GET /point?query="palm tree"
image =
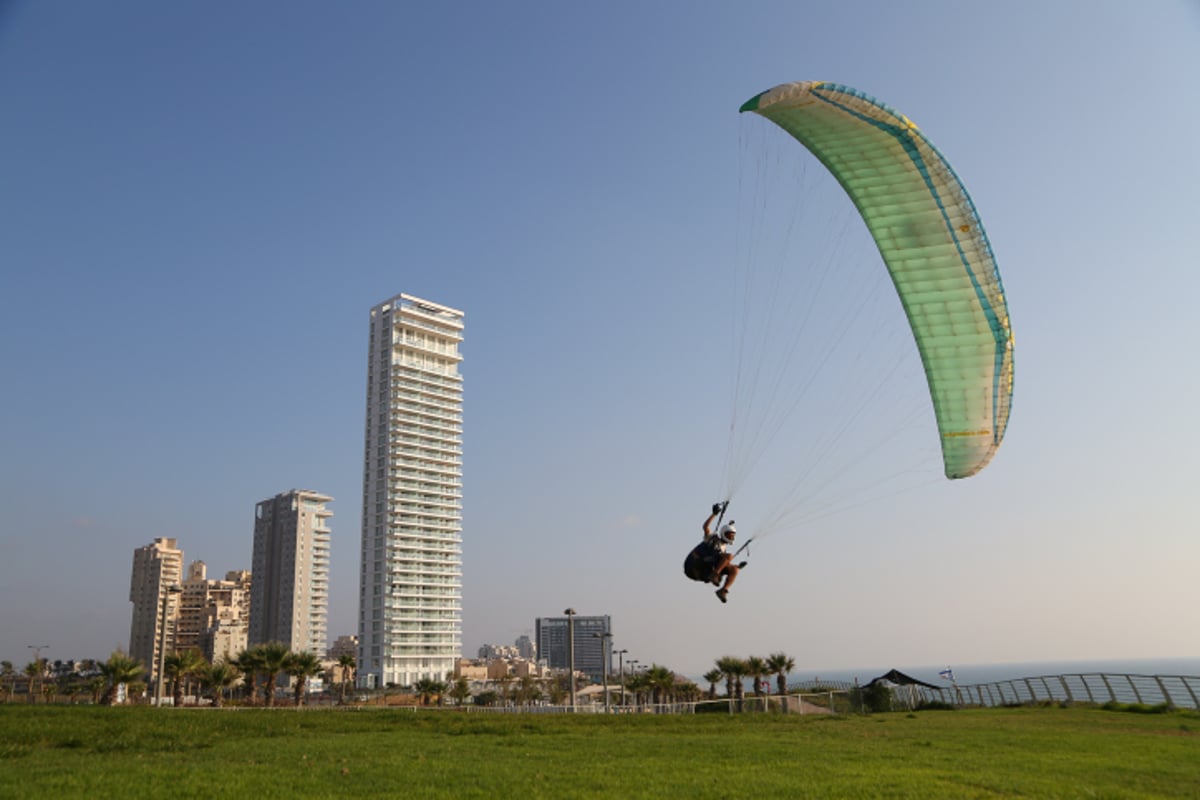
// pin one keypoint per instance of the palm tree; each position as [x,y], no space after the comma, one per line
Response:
[302,666]
[219,677]
[347,663]
[735,671]
[439,689]
[739,683]
[712,678]
[504,682]
[181,668]
[428,688]
[643,685]
[527,690]
[172,663]
[248,662]
[9,675]
[119,669]
[661,682]
[460,690]
[756,668]
[195,666]
[559,690]
[96,685]
[731,667]
[273,658]
[781,664]
[687,691]
[33,672]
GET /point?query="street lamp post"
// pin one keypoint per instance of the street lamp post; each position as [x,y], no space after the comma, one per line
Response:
[41,669]
[162,642]
[633,662]
[604,645]
[570,612]
[620,654]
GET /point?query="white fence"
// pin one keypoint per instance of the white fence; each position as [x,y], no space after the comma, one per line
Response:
[834,701]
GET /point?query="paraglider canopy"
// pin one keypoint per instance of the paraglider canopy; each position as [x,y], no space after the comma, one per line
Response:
[933,243]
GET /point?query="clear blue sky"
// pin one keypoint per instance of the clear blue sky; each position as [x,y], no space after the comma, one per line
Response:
[199,203]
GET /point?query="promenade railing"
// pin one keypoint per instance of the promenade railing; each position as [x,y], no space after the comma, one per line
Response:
[1172,691]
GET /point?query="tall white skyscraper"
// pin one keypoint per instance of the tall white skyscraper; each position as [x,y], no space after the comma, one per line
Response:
[410,588]
[289,591]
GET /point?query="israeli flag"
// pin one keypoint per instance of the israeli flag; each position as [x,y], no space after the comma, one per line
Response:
[947,674]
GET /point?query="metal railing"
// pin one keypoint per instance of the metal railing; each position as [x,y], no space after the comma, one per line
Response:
[1172,691]
[837,697]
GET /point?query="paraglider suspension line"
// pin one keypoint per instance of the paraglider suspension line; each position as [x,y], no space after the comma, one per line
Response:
[743,547]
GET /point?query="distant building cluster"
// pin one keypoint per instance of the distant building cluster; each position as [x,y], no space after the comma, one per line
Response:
[549,655]
[410,575]
[286,600]
[499,669]
[499,662]
[504,651]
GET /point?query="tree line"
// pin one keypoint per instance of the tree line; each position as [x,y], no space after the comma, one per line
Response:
[253,676]
[734,671]
[654,684]
[252,673]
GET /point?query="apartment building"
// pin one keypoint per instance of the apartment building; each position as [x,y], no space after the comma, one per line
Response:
[157,569]
[410,587]
[214,615]
[289,592]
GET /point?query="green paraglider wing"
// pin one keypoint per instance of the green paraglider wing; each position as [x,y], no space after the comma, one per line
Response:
[933,243]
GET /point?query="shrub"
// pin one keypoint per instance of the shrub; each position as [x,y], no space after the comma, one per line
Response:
[935,705]
[877,698]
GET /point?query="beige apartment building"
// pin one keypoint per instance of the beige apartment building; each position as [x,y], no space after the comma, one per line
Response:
[214,615]
[289,595]
[227,617]
[156,567]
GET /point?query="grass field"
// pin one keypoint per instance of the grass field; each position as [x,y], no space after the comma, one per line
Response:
[52,751]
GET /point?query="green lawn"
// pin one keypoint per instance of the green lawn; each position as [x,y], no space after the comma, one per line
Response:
[49,751]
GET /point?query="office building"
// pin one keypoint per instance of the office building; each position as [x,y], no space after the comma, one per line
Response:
[410,586]
[289,591]
[593,644]
[156,567]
